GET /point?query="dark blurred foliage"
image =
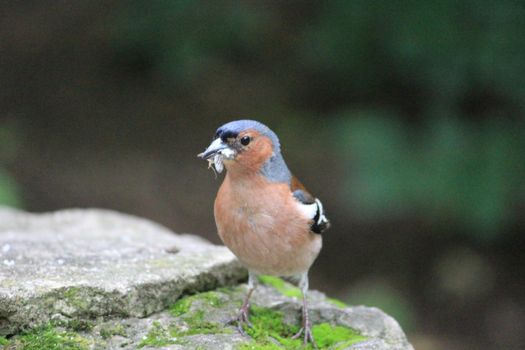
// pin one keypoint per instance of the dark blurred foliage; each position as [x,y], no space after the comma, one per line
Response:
[406,118]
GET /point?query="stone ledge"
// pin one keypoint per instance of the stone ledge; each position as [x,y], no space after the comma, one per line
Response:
[82,264]
[102,280]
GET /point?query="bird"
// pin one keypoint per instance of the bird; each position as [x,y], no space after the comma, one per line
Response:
[263,213]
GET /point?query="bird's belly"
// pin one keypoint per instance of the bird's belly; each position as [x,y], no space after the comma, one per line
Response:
[268,238]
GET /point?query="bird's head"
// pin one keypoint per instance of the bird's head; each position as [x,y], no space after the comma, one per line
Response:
[247,146]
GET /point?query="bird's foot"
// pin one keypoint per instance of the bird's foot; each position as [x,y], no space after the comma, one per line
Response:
[308,337]
[242,319]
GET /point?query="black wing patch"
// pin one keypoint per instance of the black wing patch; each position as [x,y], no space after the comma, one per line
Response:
[314,208]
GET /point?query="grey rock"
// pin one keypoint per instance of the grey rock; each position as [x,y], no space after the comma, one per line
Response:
[83,264]
[117,282]
[380,330]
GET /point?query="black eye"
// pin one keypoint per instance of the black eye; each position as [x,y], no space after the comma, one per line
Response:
[245,140]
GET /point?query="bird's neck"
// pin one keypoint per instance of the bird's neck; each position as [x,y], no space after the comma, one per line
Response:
[275,169]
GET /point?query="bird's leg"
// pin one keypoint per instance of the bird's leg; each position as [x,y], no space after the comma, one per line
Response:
[306,328]
[243,317]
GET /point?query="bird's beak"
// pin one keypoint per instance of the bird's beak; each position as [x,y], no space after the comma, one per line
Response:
[215,147]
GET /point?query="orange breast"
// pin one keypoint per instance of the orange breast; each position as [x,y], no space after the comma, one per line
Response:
[261,224]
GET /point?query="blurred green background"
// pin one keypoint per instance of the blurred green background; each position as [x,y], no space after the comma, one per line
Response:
[406,118]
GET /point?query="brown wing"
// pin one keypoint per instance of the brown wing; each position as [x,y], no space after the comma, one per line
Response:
[300,192]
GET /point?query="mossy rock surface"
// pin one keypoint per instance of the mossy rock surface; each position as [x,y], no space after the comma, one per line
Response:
[200,321]
[91,279]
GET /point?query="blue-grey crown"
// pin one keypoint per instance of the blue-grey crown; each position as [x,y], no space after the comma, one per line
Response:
[232,129]
[275,168]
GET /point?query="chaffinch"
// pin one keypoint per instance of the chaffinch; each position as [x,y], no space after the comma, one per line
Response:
[264,215]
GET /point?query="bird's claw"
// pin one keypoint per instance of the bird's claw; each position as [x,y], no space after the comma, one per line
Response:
[308,336]
[242,319]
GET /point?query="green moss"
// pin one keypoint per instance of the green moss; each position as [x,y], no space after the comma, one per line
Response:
[74,297]
[50,338]
[198,325]
[183,305]
[71,292]
[77,325]
[194,320]
[267,329]
[213,298]
[255,346]
[110,331]
[281,286]
[269,332]
[327,335]
[336,302]
[226,290]
[157,336]
[4,341]
[161,336]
